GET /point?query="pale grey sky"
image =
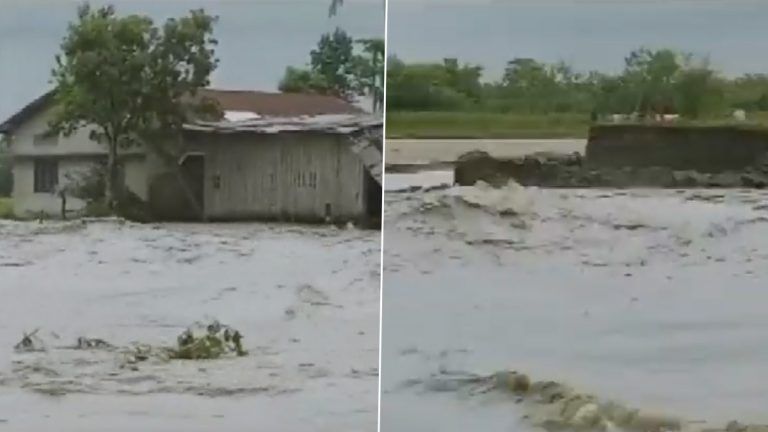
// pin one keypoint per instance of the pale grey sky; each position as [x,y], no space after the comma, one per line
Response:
[258,38]
[590,34]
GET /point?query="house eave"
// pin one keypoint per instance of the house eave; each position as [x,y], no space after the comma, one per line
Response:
[28,111]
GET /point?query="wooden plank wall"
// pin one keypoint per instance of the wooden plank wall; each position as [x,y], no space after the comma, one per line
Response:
[291,177]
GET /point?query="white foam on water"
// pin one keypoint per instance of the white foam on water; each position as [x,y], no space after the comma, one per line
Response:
[312,364]
[654,298]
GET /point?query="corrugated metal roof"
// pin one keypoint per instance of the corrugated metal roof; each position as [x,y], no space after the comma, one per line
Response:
[264,104]
[343,124]
[279,104]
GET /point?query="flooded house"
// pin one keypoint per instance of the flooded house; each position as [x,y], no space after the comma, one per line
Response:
[274,156]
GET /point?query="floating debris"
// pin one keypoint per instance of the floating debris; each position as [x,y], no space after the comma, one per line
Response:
[92,343]
[30,343]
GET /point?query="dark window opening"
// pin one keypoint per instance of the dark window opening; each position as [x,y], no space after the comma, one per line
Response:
[46,175]
[193,170]
[373,199]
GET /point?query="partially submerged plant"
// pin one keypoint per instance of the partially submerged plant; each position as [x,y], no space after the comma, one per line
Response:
[217,341]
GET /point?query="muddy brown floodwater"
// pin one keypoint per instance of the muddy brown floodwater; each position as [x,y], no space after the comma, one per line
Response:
[305,299]
[654,299]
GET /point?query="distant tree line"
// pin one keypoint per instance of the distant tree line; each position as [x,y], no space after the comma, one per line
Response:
[653,82]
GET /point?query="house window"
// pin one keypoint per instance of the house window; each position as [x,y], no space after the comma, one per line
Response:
[46,175]
[45,139]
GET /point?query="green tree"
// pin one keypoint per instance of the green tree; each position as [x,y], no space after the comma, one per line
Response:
[369,71]
[651,75]
[612,95]
[464,79]
[336,68]
[422,86]
[748,92]
[652,82]
[136,84]
[699,92]
[333,60]
[532,83]
[526,74]
[298,80]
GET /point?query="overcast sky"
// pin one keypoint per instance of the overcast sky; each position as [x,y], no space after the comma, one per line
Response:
[258,38]
[590,34]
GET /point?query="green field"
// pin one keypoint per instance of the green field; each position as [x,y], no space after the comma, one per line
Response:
[479,125]
[470,125]
[6,208]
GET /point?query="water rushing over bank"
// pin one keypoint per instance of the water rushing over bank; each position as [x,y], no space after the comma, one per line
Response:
[651,298]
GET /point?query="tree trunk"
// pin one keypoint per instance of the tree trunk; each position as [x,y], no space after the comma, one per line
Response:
[63,196]
[110,179]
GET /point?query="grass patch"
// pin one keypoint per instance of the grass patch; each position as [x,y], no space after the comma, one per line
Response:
[481,125]
[6,208]
[478,125]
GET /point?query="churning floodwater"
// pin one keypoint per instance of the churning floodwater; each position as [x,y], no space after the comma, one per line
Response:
[653,298]
[305,298]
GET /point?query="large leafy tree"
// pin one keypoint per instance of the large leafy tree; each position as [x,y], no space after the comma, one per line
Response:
[333,60]
[652,74]
[343,67]
[331,69]
[131,82]
[699,92]
[369,71]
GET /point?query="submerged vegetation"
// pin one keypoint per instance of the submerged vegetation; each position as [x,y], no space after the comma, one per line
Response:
[216,342]
[208,342]
[557,407]
[531,98]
